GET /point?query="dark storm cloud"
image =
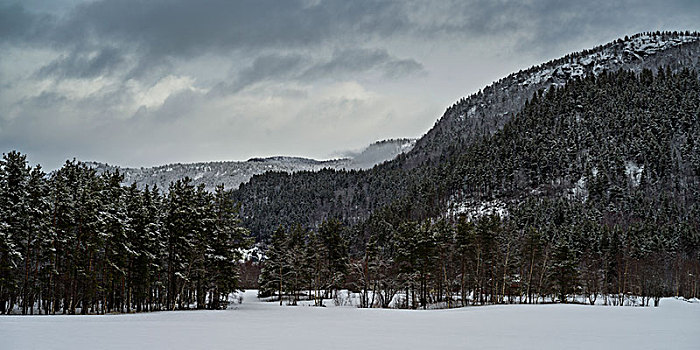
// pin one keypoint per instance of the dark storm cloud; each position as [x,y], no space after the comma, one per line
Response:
[19,25]
[14,21]
[157,32]
[178,28]
[160,31]
[294,67]
[83,65]
[544,24]
[361,60]
[182,28]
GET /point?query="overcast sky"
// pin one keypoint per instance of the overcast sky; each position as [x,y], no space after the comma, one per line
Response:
[142,83]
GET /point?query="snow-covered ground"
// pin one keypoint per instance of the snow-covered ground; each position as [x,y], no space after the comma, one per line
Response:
[258,325]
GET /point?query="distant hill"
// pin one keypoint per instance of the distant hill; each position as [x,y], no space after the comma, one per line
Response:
[233,173]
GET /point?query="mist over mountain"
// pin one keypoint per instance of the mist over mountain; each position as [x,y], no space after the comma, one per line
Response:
[378,152]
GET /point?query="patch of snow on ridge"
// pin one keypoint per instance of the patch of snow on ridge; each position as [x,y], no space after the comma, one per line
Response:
[645,45]
[634,172]
[636,48]
[538,77]
[408,145]
[473,210]
[580,190]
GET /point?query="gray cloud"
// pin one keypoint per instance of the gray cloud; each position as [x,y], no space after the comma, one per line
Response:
[305,68]
[268,67]
[545,24]
[157,32]
[45,100]
[355,60]
[17,25]
[181,28]
[399,68]
[83,65]
[161,29]
[109,79]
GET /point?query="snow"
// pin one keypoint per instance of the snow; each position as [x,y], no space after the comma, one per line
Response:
[634,172]
[636,48]
[580,189]
[258,325]
[255,254]
[474,210]
[538,77]
[644,45]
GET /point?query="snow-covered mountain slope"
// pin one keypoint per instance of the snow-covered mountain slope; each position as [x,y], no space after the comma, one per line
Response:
[233,173]
[488,110]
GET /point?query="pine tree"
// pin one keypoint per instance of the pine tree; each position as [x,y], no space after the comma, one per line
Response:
[15,235]
[225,248]
[334,246]
[273,276]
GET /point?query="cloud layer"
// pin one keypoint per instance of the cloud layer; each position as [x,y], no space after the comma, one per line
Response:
[149,82]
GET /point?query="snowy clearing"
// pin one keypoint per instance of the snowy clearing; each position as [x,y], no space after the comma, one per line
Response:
[259,325]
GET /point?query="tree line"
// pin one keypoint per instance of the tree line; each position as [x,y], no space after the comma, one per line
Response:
[73,241]
[299,260]
[543,251]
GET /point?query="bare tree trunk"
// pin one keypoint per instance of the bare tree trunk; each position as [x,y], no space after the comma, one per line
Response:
[505,271]
[544,269]
[448,294]
[529,277]
[478,277]
[280,288]
[463,283]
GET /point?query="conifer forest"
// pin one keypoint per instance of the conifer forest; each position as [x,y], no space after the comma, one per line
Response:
[75,242]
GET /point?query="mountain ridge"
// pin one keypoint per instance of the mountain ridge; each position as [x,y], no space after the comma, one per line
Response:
[486,111]
[233,173]
[414,178]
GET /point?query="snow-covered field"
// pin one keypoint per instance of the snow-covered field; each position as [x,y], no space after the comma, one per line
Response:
[258,325]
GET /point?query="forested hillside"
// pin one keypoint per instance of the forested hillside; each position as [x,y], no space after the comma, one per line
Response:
[599,180]
[308,198]
[488,110]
